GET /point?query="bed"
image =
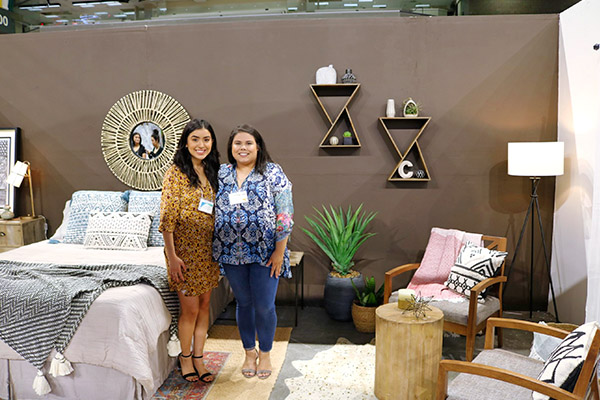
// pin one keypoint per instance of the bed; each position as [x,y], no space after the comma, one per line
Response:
[119,350]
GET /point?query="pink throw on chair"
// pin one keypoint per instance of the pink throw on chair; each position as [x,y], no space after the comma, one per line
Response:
[440,255]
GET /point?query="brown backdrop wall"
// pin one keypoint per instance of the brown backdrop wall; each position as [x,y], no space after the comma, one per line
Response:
[484,81]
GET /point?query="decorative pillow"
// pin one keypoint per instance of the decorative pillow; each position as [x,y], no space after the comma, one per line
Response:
[117,230]
[148,202]
[473,265]
[59,235]
[543,345]
[564,365]
[82,203]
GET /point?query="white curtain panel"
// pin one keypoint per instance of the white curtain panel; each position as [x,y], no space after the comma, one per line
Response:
[576,238]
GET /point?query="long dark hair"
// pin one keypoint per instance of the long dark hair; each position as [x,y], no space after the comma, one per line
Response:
[131,143]
[211,163]
[262,157]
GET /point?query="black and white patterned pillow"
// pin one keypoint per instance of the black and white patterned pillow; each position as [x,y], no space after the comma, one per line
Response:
[564,364]
[117,230]
[473,265]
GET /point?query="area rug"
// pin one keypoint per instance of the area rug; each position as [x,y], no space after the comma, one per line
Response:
[224,355]
[344,371]
[177,388]
[231,384]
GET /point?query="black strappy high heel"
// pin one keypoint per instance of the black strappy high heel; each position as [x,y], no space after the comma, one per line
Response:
[205,375]
[191,374]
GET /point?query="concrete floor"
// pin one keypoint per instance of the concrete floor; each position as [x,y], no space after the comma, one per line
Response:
[316,332]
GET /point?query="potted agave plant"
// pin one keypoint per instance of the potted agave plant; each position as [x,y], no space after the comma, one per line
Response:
[339,234]
[363,308]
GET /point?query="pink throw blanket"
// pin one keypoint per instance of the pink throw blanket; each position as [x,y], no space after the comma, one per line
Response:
[440,255]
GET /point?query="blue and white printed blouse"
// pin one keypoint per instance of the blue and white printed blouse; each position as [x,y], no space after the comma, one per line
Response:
[246,233]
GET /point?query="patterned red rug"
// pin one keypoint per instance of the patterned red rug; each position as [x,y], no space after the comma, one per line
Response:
[177,388]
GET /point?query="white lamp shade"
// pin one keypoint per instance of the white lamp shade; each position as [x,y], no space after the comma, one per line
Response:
[17,173]
[536,158]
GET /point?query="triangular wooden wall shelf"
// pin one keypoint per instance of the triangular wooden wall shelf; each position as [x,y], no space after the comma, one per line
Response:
[348,90]
[412,123]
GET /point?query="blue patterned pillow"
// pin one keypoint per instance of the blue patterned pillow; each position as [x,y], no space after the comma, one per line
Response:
[148,202]
[84,201]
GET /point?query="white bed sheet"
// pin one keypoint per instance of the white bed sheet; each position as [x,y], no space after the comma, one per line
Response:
[122,327]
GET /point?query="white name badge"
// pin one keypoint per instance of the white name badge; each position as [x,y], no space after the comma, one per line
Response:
[206,206]
[238,197]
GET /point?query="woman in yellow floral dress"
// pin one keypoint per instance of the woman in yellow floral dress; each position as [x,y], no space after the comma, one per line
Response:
[187,225]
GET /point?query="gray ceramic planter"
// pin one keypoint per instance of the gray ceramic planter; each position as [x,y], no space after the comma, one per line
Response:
[339,295]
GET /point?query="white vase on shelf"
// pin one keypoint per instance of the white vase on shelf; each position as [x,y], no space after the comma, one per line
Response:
[390,110]
[326,75]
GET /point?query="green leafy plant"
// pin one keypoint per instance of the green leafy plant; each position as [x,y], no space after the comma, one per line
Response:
[411,107]
[369,296]
[339,234]
[347,134]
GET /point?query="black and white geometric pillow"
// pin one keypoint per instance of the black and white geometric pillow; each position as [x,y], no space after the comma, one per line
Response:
[564,365]
[117,230]
[473,265]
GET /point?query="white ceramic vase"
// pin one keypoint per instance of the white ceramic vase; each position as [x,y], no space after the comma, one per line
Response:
[390,110]
[326,75]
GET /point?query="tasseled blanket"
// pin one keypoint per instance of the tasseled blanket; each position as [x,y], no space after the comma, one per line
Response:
[441,253]
[41,306]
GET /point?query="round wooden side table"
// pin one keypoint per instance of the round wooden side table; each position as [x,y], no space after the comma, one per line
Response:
[407,353]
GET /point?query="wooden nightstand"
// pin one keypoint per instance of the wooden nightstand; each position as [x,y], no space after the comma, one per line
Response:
[19,232]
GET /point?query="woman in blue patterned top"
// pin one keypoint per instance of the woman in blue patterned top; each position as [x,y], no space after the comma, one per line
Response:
[253,220]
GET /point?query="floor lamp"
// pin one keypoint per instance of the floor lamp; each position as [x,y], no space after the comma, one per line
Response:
[535,159]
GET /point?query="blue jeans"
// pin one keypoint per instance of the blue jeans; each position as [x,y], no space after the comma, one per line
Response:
[254,292]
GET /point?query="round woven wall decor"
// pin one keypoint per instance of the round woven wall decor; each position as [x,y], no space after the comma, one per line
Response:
[145,114]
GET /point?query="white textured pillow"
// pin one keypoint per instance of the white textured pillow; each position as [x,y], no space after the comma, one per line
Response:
[474,264]
[564,365]
[59,235]
[543,345]
[117,230]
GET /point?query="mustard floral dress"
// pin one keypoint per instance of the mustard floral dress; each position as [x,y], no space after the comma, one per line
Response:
[192,232]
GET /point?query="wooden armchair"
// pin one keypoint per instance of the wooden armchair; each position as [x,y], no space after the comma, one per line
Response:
[500,374]
[466,318]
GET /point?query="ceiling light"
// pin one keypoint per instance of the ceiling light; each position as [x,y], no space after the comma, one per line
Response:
[51,16]
[350,5]
[379,5]
[422,5]
[292,8]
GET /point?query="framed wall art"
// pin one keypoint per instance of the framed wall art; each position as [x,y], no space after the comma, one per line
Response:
[8,156]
